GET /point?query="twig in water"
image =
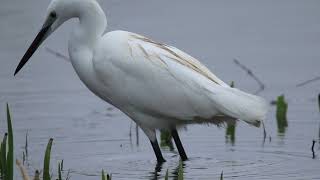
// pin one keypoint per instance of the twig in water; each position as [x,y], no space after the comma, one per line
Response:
[23,158]
[26,145]
[319,101]
[61,165]
[68,175]
[57,54]
[308,81]
[250,73]
[137,134]
[130,134]
[264,132]
[312,149]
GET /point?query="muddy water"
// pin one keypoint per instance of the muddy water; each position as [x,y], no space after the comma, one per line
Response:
[279,41]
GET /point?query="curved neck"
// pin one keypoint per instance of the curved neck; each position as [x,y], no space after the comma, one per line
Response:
[92,24]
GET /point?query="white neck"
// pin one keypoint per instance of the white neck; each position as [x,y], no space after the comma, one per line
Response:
[92,24]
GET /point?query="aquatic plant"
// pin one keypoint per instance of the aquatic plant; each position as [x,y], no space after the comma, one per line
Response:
[105,177]
[46,166]
[6,151]
[281,114]
[166,139]
[46,163]
[230,133]
[231,128]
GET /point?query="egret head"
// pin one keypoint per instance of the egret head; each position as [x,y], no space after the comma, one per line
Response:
[58,12]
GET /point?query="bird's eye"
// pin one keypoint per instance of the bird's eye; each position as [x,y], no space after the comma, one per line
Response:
[53,14]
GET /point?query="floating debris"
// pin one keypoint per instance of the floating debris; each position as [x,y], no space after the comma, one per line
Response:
[250,73]
[308,81]
[57,54]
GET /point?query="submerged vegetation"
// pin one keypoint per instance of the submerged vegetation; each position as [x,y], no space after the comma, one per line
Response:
[231,128]
[281,114]
[166,139]
[230,133]
[105,177]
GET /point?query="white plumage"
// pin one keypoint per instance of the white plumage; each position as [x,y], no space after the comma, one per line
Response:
[156,85]
[160,86]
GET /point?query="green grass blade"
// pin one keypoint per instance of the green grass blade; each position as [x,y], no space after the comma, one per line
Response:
[103,175]
[281,114]
[4,156]
[230,133]
[221,176]
[46,164]
[10,146]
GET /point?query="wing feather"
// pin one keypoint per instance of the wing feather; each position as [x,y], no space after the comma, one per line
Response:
[153,51]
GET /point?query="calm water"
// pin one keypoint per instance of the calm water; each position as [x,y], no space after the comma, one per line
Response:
[278,40]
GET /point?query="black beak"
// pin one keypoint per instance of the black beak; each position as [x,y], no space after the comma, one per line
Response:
[42,35]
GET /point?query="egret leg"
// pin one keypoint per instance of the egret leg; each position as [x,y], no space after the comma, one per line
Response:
[157,151]
[151,133]
[180,148]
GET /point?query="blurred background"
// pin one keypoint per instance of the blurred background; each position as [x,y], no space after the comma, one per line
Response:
[278,40]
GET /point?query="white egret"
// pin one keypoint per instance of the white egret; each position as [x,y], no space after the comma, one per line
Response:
[158,86]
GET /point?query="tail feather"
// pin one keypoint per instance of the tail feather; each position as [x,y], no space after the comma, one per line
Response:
[238,104]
